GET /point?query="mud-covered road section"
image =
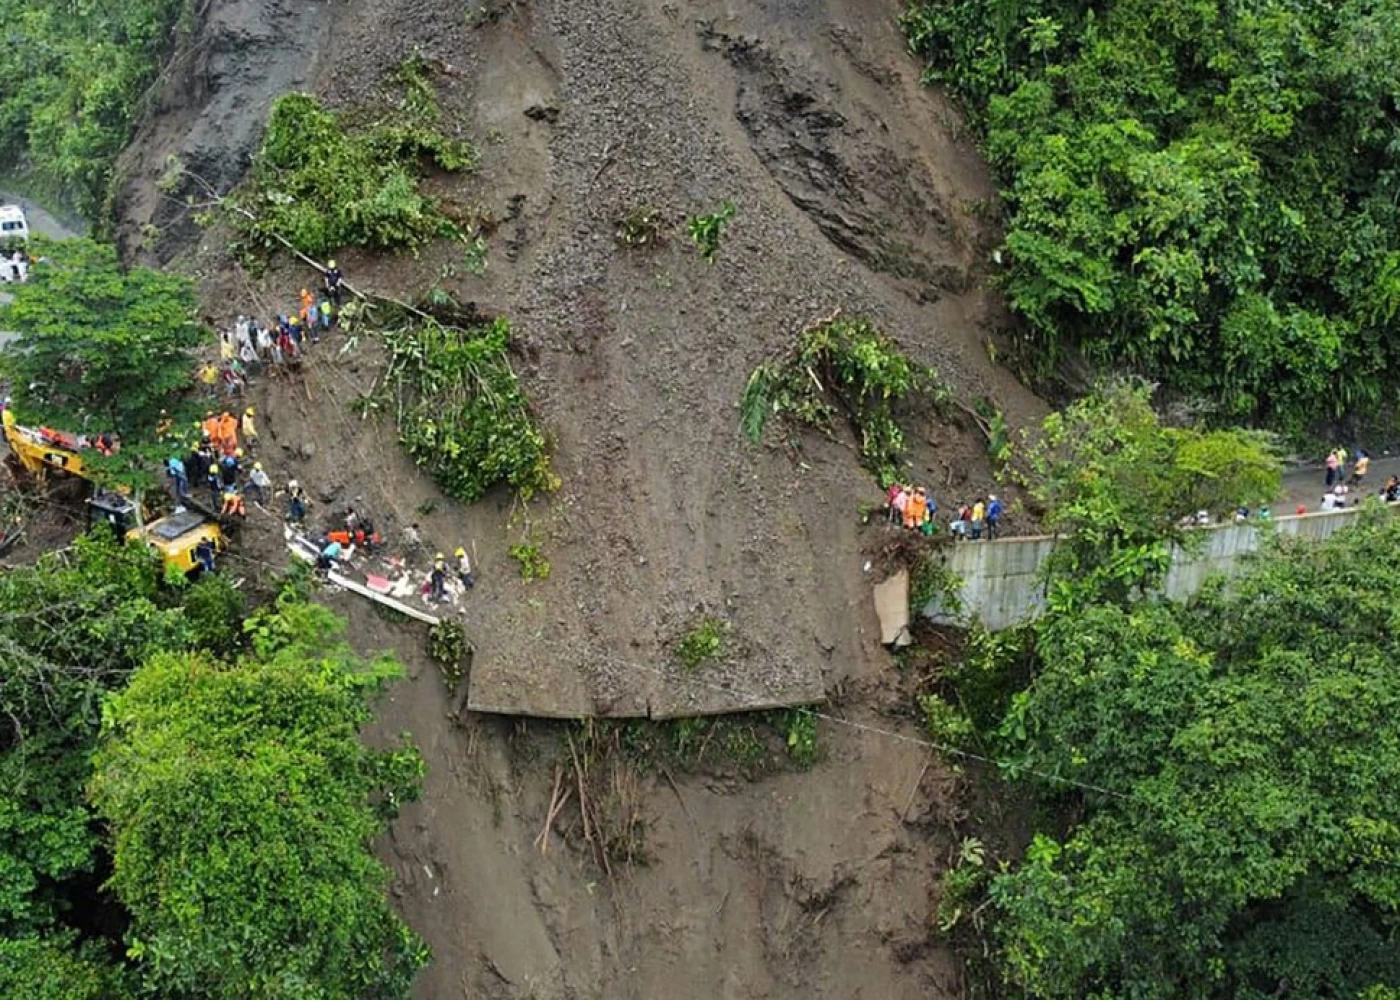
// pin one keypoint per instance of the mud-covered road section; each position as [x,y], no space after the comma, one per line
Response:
[855,191]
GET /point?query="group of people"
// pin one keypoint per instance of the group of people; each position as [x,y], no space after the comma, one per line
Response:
[912,507]
[217,461]
[437,579]
[250,347]
[1336,468]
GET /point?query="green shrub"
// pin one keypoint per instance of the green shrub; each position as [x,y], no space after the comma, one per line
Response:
[708,230]
[801,727]
[842,366]
[533,564]
[703,643]
[323,183]
[461,413]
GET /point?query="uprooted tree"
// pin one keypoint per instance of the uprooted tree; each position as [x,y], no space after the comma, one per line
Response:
[842,368]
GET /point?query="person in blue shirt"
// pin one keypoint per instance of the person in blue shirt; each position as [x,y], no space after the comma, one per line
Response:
[175,469]
[994,510]
[330,556]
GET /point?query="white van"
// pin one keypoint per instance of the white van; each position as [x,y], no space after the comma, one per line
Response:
[12,224]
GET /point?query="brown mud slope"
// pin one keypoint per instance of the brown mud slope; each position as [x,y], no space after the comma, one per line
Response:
[853,193]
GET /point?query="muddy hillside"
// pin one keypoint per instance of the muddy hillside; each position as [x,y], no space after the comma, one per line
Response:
[856,189]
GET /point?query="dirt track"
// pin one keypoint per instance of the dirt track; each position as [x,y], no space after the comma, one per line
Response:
[855,190]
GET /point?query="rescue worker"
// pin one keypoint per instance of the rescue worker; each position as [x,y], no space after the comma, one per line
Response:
[329,556]
[210,426]
[333,282]
[227,438]
[327,312]
[296,502]
[993,516]
[214,480]
[438,578]
[307,304]
[464,568]
[209,379]
[250,429]
[233,504]
[175,469]
[196,468]
[228,470]
[204,554]
[259,483]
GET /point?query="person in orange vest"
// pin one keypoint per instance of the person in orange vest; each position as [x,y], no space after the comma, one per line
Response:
[307,304]
[211,426]
[228,433]
[233,504]
[916,509]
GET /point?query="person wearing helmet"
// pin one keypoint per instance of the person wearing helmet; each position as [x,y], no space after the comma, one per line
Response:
[438,579]
[464,568]
[258,483]
[334,280]
[250,429]
[296,502]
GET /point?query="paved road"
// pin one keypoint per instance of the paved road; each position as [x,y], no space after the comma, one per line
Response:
[1306,486]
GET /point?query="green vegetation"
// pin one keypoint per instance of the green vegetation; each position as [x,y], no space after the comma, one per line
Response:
[640,227]
[71,81]
[533,563]
[447,645]
[802,745]
[323,181]
[1252,746]
[1116,483]
[461,413]
[1215,781]
[1199,190]
[101,348]
[703,643]
[842,367]
[238,804]
[708,230]
[242,807]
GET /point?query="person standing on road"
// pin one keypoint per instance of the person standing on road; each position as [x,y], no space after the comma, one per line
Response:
[1363,465]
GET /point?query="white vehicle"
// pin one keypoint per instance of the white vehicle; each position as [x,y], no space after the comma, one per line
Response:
[13,225]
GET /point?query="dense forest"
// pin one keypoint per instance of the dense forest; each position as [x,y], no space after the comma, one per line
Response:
[71,78]
[1205,192]
[1213,782]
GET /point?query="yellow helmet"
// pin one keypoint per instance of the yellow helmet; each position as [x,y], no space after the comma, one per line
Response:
[438,556]
[257,466]
[249,411]
[330,264]
[461,552]
[238,453]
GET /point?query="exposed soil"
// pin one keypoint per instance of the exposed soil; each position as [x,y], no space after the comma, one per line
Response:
[855,190]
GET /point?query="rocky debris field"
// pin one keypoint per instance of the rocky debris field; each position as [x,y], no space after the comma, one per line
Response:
[855,189]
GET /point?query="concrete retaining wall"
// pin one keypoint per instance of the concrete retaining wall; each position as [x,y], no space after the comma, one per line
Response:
[1002,585]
